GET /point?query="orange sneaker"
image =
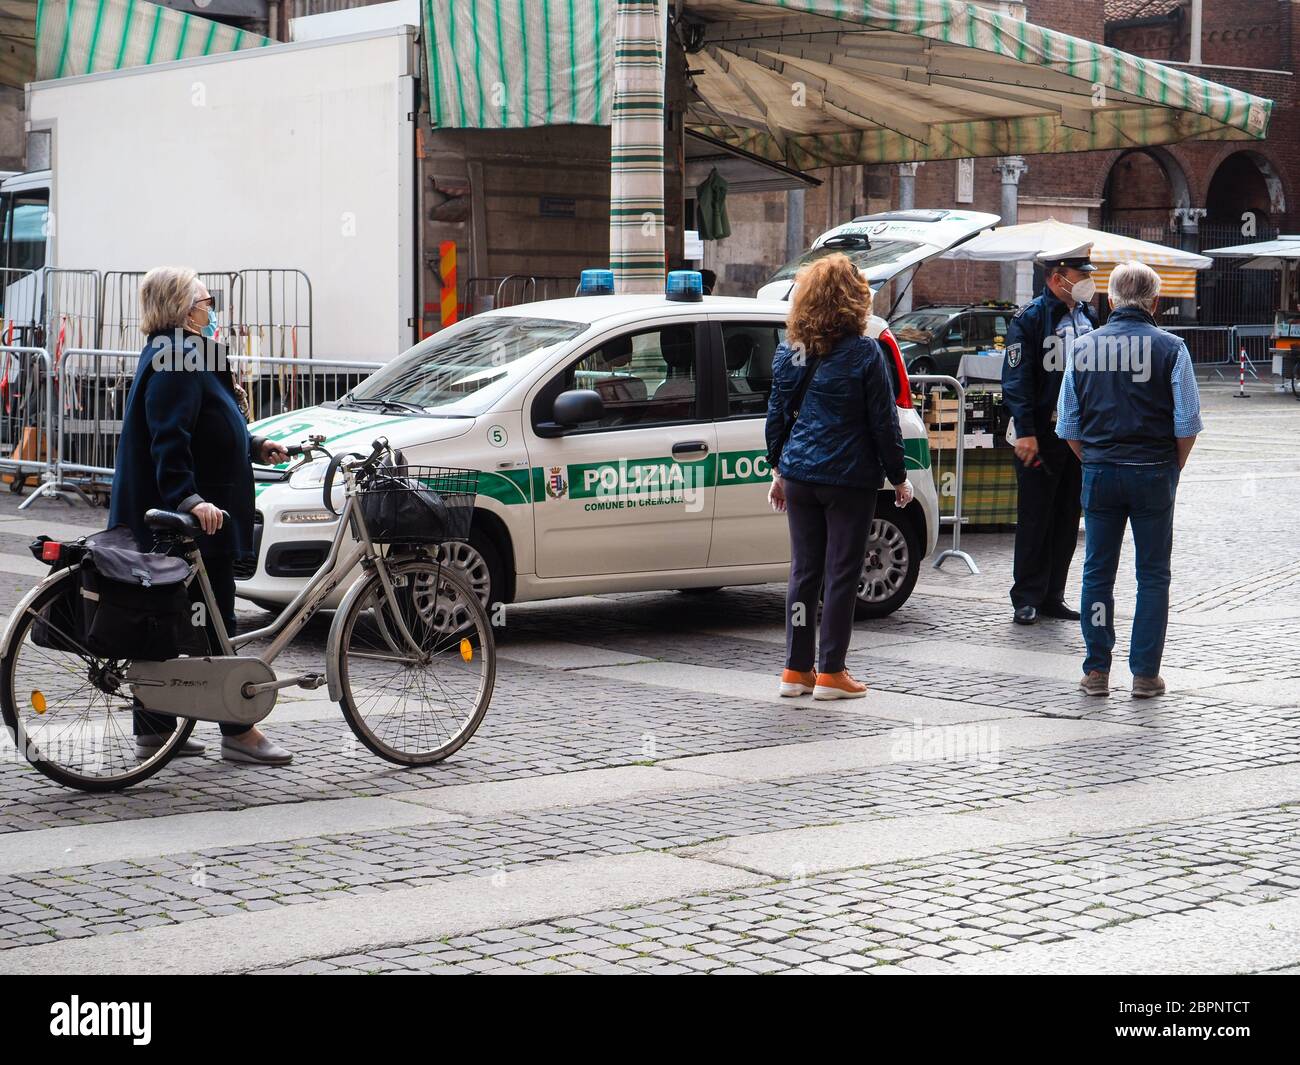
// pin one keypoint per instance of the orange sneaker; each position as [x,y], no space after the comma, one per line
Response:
[795,683]
[838,686]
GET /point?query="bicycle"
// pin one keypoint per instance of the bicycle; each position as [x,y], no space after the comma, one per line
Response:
[410,657]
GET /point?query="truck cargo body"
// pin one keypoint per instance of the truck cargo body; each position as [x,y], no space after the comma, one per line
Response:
[297,155]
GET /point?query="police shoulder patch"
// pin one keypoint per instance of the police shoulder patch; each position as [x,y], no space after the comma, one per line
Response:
[1013,355]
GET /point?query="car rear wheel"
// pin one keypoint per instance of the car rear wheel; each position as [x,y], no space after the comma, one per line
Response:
[918,367]
[892,562]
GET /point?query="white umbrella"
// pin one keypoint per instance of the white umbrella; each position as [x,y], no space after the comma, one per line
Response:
[1018,243]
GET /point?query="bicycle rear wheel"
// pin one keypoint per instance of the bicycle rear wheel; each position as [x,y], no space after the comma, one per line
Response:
[67,711]
[416,709]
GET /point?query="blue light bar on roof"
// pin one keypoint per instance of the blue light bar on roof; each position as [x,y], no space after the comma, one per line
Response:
[685,286]
[596,283]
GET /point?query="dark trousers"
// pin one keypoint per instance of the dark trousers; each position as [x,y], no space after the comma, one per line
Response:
[829,526]
[1047,523]
[1142,497]
[221,575]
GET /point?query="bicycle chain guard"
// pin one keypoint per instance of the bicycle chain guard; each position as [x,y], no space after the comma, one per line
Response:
[206,689]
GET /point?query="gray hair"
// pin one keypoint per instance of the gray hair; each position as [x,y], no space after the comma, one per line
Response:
[1134,284]
[167,296]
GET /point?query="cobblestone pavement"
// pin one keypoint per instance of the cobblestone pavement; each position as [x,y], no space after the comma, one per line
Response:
[638,800]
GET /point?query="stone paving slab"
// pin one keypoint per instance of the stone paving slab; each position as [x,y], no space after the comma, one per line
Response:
[594,786]
[1115,809]
[457,906]
[558,654]
[826,756]
[51,848]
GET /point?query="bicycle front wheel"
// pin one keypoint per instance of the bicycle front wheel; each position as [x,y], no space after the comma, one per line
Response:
[416,702]
[68,711]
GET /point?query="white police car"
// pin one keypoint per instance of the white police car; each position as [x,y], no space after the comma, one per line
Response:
[621,446]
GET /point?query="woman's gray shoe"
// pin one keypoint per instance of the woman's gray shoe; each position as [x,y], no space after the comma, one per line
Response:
[260,751]
[1147,687]
[146,746]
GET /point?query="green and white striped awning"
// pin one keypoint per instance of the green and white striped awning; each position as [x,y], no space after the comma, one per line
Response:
[87,36]
[505,64]
[819,83]
[815,83]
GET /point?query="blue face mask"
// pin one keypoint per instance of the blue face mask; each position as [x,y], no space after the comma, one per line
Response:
[210,330]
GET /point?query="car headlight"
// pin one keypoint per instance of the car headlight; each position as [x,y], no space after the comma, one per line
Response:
[310,475]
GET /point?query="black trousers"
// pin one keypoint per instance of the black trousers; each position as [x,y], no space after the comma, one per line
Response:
[829,526]
[1047,523]
[221,575]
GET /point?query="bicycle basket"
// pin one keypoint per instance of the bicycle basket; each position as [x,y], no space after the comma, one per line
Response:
[418,504]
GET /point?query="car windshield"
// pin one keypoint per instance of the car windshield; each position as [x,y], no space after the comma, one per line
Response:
[919,327]
[863,257]
[461,371]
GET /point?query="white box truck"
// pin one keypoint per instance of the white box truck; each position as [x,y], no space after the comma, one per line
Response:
[299,155]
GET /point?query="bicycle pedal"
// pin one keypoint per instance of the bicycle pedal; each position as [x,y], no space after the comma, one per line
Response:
[312,681]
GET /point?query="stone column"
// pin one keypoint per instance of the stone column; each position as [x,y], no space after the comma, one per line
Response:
[794,223]
[1011,169]
[906,201]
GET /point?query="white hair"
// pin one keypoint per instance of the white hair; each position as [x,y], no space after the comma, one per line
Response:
[167,295]
[1134,284]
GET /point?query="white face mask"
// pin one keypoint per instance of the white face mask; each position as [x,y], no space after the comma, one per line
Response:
[1083,290]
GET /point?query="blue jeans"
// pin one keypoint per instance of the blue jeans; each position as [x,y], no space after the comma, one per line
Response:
[1142,496]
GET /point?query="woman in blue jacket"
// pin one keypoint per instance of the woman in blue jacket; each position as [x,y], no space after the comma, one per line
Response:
[185,446]
[832,437]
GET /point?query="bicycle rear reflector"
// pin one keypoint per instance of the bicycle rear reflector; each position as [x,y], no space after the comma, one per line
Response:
[51,551]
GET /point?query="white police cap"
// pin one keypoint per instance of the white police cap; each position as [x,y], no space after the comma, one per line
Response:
[1075,257]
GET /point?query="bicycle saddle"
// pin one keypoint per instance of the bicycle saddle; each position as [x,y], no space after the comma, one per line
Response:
[172,521]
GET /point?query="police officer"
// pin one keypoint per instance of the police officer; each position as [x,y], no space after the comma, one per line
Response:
[1047,471]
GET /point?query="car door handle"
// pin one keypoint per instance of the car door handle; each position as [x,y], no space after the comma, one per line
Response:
[689,448]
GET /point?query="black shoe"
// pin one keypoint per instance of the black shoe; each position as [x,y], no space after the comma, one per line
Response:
[1058,610]
[1026,615]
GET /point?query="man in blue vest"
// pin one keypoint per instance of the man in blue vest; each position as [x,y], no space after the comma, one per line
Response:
[1130,410]
[1047,473]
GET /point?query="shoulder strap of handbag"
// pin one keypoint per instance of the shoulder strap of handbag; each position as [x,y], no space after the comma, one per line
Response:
[799,393]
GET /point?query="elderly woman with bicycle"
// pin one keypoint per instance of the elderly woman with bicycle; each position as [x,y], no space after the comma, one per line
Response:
[185,447]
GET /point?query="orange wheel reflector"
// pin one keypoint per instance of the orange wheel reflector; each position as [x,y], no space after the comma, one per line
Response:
[466,650]
[38,702]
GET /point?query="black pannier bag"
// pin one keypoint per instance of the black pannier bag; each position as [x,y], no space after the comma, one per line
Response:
[135,604]
[58,626]
[418,504]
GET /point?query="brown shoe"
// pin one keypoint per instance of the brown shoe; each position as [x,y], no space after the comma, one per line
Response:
[1147,687]
[838,686]
[795,683]
[1095,682]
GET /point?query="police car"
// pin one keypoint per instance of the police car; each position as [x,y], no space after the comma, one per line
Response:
[621,446]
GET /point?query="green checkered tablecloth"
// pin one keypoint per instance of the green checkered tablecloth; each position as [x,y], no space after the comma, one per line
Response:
[988,482]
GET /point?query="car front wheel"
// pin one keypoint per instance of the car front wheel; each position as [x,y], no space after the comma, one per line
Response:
[891,564]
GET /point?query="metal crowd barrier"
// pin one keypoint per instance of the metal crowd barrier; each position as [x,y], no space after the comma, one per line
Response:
[294,383]
[26,428]
[955,551]
[62,424]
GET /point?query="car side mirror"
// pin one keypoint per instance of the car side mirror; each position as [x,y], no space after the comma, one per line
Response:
[571,409]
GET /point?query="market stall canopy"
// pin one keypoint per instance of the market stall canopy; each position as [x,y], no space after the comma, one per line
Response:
[17,42]
[813,83]
[1177,268]
[89,36]
[1264,255]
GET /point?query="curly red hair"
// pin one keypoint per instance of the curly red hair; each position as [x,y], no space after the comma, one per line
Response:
[831,300]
